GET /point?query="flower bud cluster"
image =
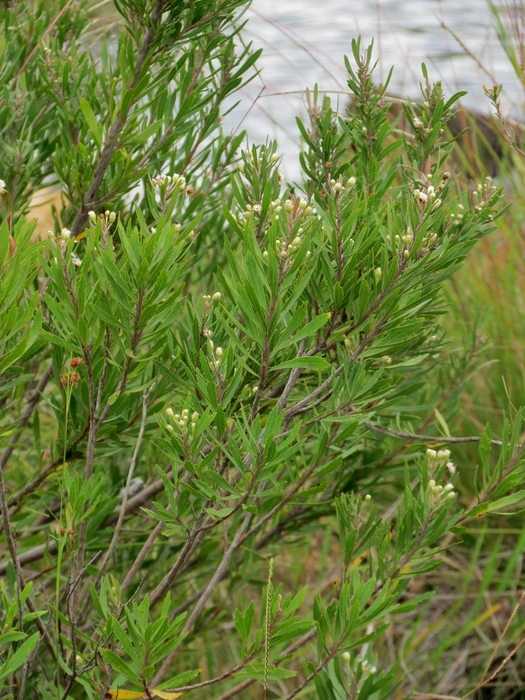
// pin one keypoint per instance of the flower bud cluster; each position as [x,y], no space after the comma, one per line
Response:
[441,493]
[216,353]
[251,209]
[173,182]
[437,459]
[368,667]
[404,242]
[484,194]
[337,186]
[297,207]
[426,194]
[108,217]
[181,421]
[209,299]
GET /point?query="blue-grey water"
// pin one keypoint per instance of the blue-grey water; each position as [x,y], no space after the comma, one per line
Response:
[304,42]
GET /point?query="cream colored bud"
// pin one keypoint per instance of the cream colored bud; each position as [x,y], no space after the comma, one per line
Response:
[92,217]
[218,352]
[346,657]
[112,217]
[431,483]
[169,412]
[368,498]
[170,429]
[65,234]
[216,296]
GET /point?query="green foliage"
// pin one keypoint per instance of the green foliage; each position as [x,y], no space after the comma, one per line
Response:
[213,359]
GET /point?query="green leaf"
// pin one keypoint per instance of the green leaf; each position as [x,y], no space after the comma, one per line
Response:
[19,657]
[506,501]
[94,126]
[119,666]
[315,364]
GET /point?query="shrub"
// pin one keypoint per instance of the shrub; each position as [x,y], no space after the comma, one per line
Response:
[203,366]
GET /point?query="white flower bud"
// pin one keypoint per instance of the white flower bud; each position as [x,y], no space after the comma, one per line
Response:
[169,428]
[65,234]
[218,352]
[194,416]
[216,296]
[92,216]
[351,182]
[368,498]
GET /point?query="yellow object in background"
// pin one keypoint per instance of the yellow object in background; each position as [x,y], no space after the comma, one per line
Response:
[41,209]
